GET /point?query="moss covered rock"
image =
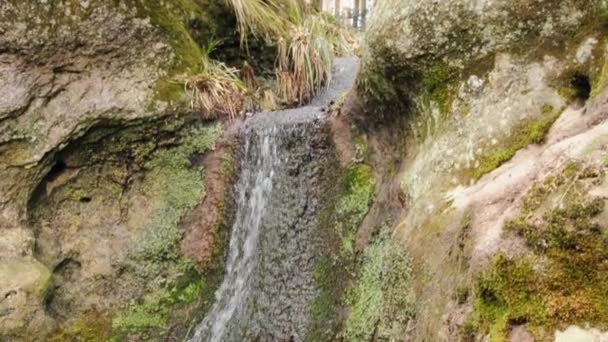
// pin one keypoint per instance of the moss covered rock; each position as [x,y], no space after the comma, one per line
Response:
[98,164]
[488,97]
[417,47]
[24,284]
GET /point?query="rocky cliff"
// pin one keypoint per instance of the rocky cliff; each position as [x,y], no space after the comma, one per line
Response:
[462,197]
[499,108]
[100,161]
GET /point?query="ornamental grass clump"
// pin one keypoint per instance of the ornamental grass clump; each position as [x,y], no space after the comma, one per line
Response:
[258,17]
[307,43]
[304,60]
[217,89]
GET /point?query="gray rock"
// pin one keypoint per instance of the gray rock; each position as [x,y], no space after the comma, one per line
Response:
[67,69]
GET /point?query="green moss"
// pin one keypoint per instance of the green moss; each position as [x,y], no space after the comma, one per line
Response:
[381,302]
[171,18]
[183,23]
[175,186]
[532,132]
[326,307]
[334,269]
[506,293]
[436,85]
[156,309]
[169,91]
[91,327]
[178,185]
[353,206]
[562,281]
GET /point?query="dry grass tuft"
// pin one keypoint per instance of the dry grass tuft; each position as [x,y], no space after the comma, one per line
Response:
[258,17]
[306,54]
[217,89]
[307,43]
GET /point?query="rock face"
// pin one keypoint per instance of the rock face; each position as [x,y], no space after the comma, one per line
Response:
[413,46]
[492,101]
[269,287]
[480,128]
[282,253]
[91,129]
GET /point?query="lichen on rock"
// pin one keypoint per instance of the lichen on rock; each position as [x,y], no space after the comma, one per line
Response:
[560,281]
[91,125]
[406,47]
[494,95]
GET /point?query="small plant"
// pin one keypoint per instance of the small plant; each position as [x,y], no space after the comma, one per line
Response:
[217,89]
[307,52]
[304,61]
[308,42]
[562,280]
[382,302]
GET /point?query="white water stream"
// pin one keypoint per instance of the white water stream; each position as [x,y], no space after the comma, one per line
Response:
[253,193]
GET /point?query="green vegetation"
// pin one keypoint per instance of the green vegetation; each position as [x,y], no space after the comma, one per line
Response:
[381,302]
[562,280]
[91,327]
[168,290]
[258,17]
[375,85]
[172,281]
[155,310]
[305,58]
[532,132]
[354,204]
[435,85]
[171,17]
[334,269]
[178,186]
[217,89]
[330,276]
[307,43]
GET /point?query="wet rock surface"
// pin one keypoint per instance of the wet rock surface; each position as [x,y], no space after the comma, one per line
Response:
[287,160]
[279,211]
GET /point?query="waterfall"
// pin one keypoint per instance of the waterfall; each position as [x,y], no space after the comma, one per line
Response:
[253,192]
[287,164]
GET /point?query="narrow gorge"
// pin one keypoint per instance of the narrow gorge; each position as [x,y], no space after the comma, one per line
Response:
[303,171]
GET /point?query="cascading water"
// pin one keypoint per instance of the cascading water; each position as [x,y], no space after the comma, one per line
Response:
[286,165]
[253,191]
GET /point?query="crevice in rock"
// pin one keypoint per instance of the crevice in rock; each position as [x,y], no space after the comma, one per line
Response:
[56,170]
[9,294]
[67,267]
[65,272]
[582,87]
